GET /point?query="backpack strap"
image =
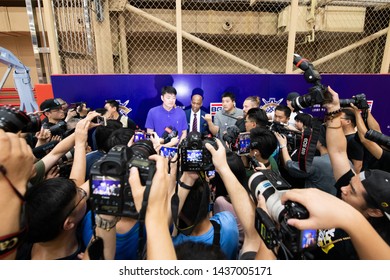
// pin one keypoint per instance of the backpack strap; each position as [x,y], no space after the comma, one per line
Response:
[217,233]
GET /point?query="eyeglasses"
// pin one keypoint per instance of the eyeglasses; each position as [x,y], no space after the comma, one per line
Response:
[83,194]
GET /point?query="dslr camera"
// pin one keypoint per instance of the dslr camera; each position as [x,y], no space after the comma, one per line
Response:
[293,137]
[13,120]
[281,233]
[193,154]
[318,94]
[231,137]
[58,129]
[109,186]
[359,101]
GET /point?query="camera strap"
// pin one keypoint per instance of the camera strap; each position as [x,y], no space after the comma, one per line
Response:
[96,248]
[175,201]
[308,146]
[142,212]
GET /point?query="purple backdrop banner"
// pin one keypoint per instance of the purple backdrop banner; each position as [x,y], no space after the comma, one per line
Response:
[142,92]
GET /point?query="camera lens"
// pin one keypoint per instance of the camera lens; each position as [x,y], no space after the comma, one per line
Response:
[378,138]
[34,125]
[346,102]
[259,184]
[143,149]
[301,102]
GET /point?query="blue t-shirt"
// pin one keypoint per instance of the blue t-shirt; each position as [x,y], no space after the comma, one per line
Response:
[228,235]
[158,119]
[126,243]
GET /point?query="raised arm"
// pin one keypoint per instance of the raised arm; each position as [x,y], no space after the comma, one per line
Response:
[335,138]
[212,127]
[371,146]
[328,211]
[159,242]
[242,203]
[79,159]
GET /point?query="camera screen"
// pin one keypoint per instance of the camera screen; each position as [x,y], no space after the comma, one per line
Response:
[309,238]
[210,173]
[194,156]
[106,185]
[168,152]
[138,136]
[244,143]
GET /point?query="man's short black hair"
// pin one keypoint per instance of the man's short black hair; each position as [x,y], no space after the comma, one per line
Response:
[47,204]
[190,250]
[263,140]
[168,89]
[349,115]
[229,94]
[113,103]
[285,109]
[259,116]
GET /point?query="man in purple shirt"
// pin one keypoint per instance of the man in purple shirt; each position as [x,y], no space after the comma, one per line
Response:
[167,118]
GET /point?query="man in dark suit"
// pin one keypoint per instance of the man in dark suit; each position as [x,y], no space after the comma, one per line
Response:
[195,113]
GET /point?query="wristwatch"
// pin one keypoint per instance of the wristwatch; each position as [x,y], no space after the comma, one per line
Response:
[106,224]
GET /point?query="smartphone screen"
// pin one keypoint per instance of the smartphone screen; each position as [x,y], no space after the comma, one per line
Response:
[168,152]
[139,135]
[244,143]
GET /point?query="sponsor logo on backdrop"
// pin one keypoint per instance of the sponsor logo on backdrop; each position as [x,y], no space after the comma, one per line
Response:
[215,107]
[270,104]
[123,109]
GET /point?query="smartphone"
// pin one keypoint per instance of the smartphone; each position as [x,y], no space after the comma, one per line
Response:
[244,142]
[139,135]
[168,152]
[100,120]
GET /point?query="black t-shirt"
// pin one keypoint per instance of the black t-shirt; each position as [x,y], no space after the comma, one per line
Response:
[24,252]
[355,150]
[383,163]
[241,125]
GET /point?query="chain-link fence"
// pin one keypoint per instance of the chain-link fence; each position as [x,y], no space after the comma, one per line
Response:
[219,36]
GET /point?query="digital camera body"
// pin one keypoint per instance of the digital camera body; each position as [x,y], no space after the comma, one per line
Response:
[358,100]
[293,137]
[318,94]
[294,240]
[13,120]
[193,154]
[110,192]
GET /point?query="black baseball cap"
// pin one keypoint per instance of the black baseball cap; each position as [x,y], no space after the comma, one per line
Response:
[377,185]
[292,95]
[50,104]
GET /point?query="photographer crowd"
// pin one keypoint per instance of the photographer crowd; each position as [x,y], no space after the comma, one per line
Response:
[90,184]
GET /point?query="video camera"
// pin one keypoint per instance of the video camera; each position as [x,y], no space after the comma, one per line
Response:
[193,154]
[378,138]
[318,94]
[290,238]
[359,101]
[13,120]
[109,186]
